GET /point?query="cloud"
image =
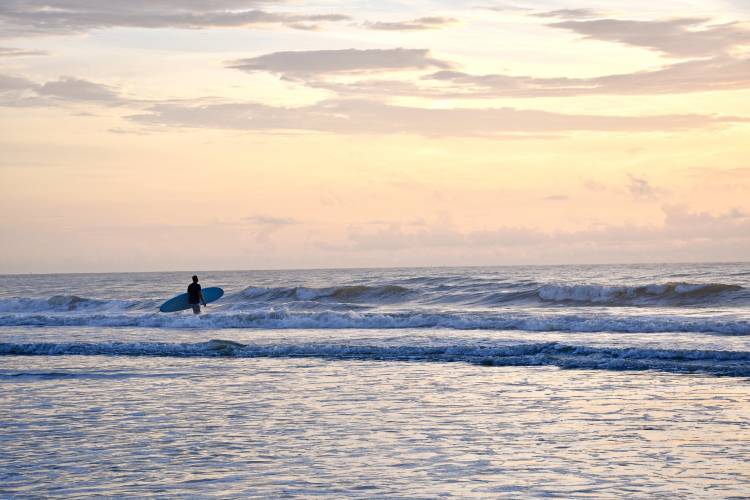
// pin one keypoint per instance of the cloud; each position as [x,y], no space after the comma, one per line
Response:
[680,223]
[269,220]
[312,62]
[640,188]
[422,23]
[22,92]
[340,115]
[35,17]
[397,236]
[680,227]
[363,116]
[719,73]
[8,83]
[14,52]
[503,7]
[123,131]
[570,13]
[682,37]
[268,225]
[76,89]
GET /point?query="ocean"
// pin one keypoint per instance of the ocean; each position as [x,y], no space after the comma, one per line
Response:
[602,381]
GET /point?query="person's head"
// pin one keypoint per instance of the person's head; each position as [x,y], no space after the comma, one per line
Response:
[195,279]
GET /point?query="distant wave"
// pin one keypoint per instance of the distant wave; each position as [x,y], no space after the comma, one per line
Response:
[31,376]
[490,294]
[725,363]
[356,297]
[340,293]
[667,293]
[63,303]
[473,320]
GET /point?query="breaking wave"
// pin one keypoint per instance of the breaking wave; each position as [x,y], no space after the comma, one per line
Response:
[461,320]
[667,293]
[489,294]
[724,363]
[466,304]
[65,303]
[352,293]
[355,297]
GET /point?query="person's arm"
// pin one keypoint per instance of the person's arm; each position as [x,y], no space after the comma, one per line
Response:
[202,299]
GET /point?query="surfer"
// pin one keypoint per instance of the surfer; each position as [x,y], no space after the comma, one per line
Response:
[195,296]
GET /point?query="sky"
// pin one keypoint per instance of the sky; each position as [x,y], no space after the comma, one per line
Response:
[247,134]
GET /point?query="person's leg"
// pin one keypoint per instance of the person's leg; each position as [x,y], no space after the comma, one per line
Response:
[196,308]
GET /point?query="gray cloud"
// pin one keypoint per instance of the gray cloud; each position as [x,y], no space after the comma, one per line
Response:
[8,83]
[640,188]
[14,52]
[368,87]
[422,23]
[683,37]
[720,73]
[701,75]
[267,225]
[362,116]
[76,89]
[22,92]
[30,17]
[311,62]
[679,37]
[270,220]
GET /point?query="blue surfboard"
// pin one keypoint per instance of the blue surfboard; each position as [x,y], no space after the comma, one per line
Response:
[180,302]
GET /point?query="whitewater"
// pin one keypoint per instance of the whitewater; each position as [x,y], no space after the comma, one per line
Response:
[572,381]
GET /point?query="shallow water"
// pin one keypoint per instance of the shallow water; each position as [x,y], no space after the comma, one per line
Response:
[304,427]
[601,381]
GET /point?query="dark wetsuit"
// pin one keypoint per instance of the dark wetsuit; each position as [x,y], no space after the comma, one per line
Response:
[194,297]
[194,293]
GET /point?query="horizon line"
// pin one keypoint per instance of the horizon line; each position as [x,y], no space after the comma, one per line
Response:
[194,271]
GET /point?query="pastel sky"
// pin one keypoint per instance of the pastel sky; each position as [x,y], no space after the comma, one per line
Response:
[251,134]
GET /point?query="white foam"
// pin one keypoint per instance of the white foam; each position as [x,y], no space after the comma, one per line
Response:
[637,295]
[280,318]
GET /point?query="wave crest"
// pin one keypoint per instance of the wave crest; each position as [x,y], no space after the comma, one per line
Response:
[660,293]
[351,293]
[723,363]
[60,303]
[273,319]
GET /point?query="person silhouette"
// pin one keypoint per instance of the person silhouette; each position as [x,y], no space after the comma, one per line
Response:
[195,296]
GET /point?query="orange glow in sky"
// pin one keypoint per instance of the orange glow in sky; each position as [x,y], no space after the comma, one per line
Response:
[235,134]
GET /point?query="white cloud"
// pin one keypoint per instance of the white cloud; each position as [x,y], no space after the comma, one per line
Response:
[421,23]
[570,13]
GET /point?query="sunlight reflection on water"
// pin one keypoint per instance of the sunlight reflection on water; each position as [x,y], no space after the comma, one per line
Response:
[304,427]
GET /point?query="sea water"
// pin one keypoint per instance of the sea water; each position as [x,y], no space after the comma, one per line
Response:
[570,381]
